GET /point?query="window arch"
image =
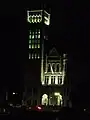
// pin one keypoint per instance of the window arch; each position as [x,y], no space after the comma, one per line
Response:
[44,99]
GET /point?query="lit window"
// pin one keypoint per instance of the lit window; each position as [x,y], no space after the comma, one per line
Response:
[38,56]
[29,46]
[32,46]
[29,41]
[39,31]
[30,19]
[35,55]
[35,45]
[29,56]
[38,41]
[30,31]
[32,36]
[38,45]
[29,36]
[36,32]
[32,56]
[35,36]
[38,36]
[33,33]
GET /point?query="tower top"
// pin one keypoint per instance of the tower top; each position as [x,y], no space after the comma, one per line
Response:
[36,16]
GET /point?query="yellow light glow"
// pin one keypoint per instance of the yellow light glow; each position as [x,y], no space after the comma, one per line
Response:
[45,99]
[32,46]
[38,36]
[38,45]
[32,36]
[35,45]
[29,36]
[29,46]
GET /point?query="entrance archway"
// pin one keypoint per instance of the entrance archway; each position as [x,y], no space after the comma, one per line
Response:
[55,99]
[45,99]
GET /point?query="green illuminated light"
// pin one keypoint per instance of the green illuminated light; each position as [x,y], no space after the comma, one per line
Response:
[38,45]
[35,45]
[32,36]
[35,36]
[35,55]
[38,36]
[38,56]
[32,56]
[29,56]
[29,41]
[32,46]
[29,36]
[29,46]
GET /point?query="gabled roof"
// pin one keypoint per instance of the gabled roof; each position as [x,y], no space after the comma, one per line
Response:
[53,52]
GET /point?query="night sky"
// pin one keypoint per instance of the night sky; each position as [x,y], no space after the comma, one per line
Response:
[69,31]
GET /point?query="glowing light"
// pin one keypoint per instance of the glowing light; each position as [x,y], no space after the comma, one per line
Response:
[29,46]
[39,108]
[38,45]
[13,93]
[45,99]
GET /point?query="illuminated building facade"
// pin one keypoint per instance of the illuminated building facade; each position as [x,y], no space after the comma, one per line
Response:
[46,72]
[38,22]
[54,71]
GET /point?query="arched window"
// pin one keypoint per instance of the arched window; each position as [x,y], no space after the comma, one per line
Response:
[45,99]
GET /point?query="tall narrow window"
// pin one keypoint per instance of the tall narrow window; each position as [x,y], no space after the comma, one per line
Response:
[29,36]
[38,45]
[35,36]
[30,31]
[38,56]
[32,56]
[39,31]
[38,36]
[29,41]
[35,55]
[32,46]
[29,56]
[32,36]
[35,45]
[29,46]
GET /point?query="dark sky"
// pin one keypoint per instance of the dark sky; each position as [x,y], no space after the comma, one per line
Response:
[69,31]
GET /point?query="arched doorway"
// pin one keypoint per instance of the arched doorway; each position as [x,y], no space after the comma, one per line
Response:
[55,99]
[45,99]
